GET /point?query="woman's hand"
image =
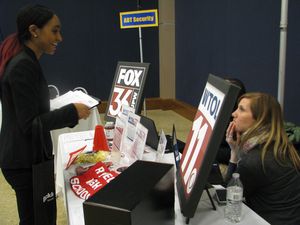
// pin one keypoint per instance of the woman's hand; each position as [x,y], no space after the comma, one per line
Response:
[83,111]
[233,139]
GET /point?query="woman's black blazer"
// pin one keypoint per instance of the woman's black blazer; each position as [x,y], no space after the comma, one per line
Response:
[25,99]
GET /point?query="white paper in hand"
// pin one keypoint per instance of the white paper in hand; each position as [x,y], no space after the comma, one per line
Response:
[73,97]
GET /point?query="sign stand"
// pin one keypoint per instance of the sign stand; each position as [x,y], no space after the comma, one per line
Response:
[139,19]
[210,198]
[141,53]
[141,58]
[282,50]
[140,36]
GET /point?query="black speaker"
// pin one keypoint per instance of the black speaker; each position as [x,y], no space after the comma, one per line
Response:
[142,195]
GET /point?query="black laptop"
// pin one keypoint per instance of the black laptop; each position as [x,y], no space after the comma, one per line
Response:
[153,137]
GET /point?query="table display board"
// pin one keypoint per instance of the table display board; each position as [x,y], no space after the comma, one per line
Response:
[203,141]
[127,88]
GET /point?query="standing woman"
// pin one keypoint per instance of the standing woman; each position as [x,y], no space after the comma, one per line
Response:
[267,162]
[25,101]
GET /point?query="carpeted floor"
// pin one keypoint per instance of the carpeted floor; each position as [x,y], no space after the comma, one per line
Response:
[163,120]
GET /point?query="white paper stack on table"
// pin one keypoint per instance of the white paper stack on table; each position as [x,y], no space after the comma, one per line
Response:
[73,97]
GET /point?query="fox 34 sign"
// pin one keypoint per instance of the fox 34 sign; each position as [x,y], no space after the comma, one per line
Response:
[127,88]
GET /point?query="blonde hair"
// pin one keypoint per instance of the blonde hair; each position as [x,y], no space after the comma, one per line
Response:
[269,129]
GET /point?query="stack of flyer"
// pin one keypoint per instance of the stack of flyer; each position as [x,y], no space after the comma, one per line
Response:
[74,97]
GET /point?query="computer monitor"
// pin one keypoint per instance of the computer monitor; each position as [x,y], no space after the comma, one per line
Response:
[153,136]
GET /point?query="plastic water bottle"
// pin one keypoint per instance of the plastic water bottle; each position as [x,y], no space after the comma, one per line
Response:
[234,199]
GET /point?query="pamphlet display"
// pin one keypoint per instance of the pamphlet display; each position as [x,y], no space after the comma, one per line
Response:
[161,148]
[127,88]
[130,138]
[137,148]
[203,141]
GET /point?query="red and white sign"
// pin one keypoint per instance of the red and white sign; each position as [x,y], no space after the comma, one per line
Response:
[121,96]
[127,88]
[73,156]
[199,136]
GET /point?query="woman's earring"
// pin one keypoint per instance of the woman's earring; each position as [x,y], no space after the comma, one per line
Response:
[35,36]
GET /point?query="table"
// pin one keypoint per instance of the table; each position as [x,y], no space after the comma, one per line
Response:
[67,143]
[204,213]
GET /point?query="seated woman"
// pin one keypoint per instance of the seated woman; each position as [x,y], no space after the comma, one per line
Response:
[267,163]
[223,154]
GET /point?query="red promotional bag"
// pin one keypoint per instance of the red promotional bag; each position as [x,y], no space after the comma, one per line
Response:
[95,178]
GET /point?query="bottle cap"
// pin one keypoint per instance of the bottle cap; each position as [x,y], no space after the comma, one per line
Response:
[236,175]
[109,124]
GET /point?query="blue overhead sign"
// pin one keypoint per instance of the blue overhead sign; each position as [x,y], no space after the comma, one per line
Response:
[141,18]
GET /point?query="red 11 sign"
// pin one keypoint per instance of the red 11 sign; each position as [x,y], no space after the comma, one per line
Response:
[199,136]
[203,141]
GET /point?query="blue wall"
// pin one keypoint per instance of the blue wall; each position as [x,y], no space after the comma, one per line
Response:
[233,38]
[93,43]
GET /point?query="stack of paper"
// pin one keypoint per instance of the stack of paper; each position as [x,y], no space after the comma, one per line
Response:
[73,97]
